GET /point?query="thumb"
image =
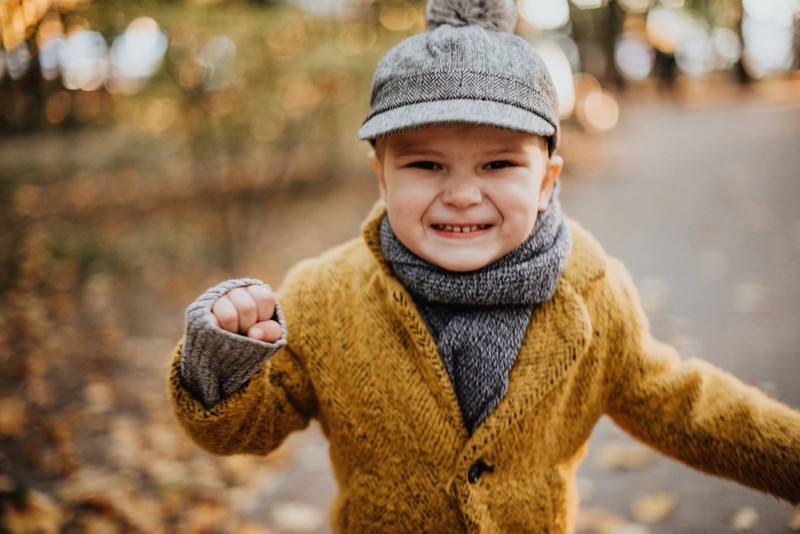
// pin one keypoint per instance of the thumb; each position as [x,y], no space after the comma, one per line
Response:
[267,331]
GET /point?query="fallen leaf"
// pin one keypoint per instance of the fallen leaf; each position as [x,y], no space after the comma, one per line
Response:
[241,469]
[127,447]
[602,521]
[39,514]
[653,507]
[7,484]
[794,522]
[12,417]
[249,527]
[205,516]
[40,393]
[99,395]
[623,455]
[598,520]
[297,517]
[98,524]
[745,518]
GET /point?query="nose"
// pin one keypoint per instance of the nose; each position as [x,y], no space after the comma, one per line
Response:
[462,191]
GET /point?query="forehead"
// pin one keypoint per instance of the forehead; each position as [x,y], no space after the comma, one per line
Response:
[467,135]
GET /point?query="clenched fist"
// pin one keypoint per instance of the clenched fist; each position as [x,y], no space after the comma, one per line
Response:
[249,311]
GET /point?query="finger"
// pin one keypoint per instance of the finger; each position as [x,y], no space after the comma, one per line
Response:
[268,331]
[245,306]
[213,319]
[226,314]
[265,301]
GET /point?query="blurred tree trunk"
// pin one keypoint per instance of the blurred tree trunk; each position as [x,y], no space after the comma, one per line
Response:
[740,74]
[616,18]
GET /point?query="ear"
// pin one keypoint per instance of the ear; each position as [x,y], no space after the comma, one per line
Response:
[377,166]
[553,171]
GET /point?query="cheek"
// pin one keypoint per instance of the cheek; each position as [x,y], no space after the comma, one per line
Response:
[409,196]
[518,202]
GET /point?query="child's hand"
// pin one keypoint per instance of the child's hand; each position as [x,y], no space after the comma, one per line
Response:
[247,311]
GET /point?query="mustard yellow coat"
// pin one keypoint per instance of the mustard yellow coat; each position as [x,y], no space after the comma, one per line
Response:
[360,360]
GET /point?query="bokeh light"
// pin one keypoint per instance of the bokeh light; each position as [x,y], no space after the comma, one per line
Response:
[635,6]
[217,59]
[588,4]
[561,72]
[768,36]
[50,39]
[18,59]
[545,14]
[695,54]
[599,111]
[727,47]
[136,55]
[84,60]
[665,28]
[634,56]
[398,16]
[779,11]
[357,38]
[324,8]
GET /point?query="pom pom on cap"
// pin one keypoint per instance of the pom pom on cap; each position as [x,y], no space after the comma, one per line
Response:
[495,15]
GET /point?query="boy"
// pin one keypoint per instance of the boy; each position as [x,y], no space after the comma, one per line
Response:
[458,356]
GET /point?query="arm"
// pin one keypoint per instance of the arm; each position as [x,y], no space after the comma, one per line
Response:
[234,388]
[696,413]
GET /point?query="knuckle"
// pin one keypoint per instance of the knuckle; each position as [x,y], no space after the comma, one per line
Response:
[247,307]
[260,292]
[227,320]
[225,313]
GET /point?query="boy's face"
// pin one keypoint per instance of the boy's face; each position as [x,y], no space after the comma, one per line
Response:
[463,196]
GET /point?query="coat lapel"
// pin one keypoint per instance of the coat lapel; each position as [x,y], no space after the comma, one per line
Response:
[558,334]
[426,354]
[428,360]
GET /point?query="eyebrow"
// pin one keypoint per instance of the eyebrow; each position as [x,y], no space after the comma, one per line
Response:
[415,149]
[421,149]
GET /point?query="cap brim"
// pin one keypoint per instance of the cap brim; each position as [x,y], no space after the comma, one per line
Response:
[479,112]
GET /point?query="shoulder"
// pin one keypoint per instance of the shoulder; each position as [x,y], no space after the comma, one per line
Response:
[588,262]
[348,263]
[603,281]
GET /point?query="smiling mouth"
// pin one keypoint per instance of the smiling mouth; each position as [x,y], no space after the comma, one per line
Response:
[460,229]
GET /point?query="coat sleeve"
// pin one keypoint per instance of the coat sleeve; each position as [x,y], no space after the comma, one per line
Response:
[256,418]
[695,412]
[275,399]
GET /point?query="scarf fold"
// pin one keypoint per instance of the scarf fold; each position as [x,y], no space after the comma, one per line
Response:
[478,318]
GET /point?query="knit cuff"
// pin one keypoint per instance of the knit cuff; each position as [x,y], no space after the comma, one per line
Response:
[215,363]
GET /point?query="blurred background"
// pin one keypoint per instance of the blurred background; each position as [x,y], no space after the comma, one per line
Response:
[151,149]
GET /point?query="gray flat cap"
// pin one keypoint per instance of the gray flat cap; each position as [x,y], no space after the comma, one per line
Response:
[463,71]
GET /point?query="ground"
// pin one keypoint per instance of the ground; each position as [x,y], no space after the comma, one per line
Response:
[697,195]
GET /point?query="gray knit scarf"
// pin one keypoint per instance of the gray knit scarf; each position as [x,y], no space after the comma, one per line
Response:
[478,318]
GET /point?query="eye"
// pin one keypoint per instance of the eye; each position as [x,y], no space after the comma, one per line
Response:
[425,165]
[500,164]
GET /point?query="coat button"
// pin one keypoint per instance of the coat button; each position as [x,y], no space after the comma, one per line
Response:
[476,470]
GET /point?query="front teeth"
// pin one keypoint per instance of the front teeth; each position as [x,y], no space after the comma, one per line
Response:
[460,229]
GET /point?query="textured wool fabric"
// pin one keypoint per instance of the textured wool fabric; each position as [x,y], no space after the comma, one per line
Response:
[463,74]
[361,362]
[495,15]
[210,377]
[478,318]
